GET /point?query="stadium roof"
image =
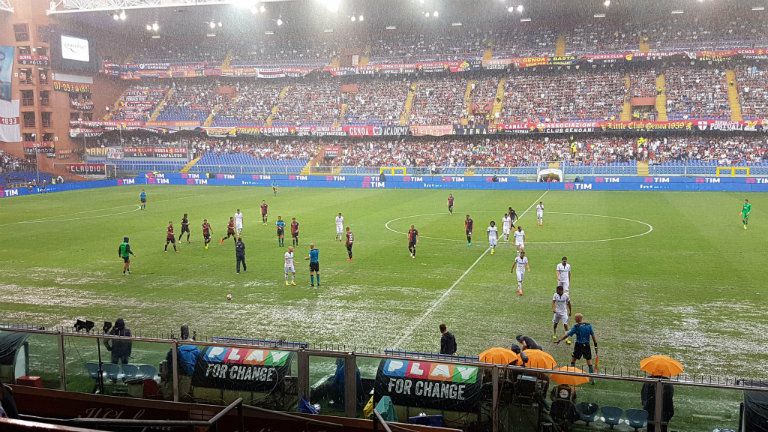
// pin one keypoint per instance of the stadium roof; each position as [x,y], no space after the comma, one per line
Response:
[5,5]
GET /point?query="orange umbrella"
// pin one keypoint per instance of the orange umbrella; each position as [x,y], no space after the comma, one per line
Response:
[573,380]
[661,365]
[539,359]
[499,355]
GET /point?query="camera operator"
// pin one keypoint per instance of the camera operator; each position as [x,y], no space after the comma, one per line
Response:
[119,349]
[186,356]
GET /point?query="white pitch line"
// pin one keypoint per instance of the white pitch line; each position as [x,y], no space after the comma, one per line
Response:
[411,328]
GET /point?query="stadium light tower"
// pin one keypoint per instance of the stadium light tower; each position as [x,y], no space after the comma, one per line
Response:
[78,6]
[5,5]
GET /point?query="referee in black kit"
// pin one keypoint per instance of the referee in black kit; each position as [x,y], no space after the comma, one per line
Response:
[240,253]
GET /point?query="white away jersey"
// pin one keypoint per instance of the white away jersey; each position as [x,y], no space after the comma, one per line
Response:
[289,259]
[561,303]
[519,237]
[339,220]
[539,209]
[563,272]
[521,263]
[239,218]
[506,223]
[492,232]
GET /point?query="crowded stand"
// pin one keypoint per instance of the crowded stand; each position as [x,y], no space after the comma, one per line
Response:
[596,37]
[309,102]
[696,93]
[280,50]
[190,101]
[523,41]
[452,44]
[375,101]
[642,84]
[248,103]
[572,96]
[720,32]
[753,91]
[438,101]
[483,96]
[138,102]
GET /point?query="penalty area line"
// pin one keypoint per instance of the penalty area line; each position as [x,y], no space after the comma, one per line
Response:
[412,327]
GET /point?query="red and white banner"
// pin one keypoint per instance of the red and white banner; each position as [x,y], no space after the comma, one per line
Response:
[10,128]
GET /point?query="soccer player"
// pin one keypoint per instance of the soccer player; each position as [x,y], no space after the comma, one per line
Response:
[206,233]
[513,215]
[124,251]
[314,265]
[350,241]
[468,224]
[184,227]
[264,211]
[413,238]
[450,203]
[506,226]
[583,332]
[143,199]
[561,310]
[339,226]
[280,231]
[295,232]
[274,188]
[289,268]
[563,274]
[520,239]
[170,237]
[493,237]
[746,209]
[230,231]
[540,213]
[238,222]
[521,266]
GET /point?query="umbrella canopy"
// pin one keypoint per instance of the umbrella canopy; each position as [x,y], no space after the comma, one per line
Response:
[539,359]
[499,355]
[661,365]
[570,379]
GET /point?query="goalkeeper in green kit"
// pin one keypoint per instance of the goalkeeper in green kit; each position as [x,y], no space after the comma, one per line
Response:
[746,209]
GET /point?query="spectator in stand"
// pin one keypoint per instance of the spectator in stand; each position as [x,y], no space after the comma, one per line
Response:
[752,82]
[438,101]
[696,93]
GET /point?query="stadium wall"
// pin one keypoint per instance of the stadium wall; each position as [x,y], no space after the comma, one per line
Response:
[680,184]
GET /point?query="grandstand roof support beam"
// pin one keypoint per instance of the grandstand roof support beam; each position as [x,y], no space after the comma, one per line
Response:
[80,6]
[5,6]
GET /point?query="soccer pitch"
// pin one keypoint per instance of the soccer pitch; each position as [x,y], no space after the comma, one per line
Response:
[670,273]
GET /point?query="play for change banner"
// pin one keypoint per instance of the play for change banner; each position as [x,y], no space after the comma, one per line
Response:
[429,385]
[241,368]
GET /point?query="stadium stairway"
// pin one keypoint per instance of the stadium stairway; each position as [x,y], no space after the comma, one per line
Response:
[406,114]
[560,45]
[366,57]
[733,95]
[209,120]
[335,62]
[642,169]
[468,100]
[317,161]
[661,98]
[342,113]
[626,109]
[498,103]
[189,165]
[644,45]
[275,109]
[161,105]
[227,62]
[488,54]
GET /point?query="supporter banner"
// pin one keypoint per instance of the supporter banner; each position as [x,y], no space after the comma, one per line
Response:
[277,131]
[423,384]
[436,130]
[33,60]
[47,147]
[643,126]
[86,168]
[154,152]
[81,105]
[114,153]
[6,72]
[241,369]
[10,128]
[70,87]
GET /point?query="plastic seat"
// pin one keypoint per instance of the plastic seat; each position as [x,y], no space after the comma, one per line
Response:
[112,371]
[611,415]
[93,370]
[129,372]
[587,412]
[147,371]
[637,419]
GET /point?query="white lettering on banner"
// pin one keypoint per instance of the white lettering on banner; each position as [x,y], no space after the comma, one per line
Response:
[128,181]
[417,179]
[234,355]
[711,180]
[612,180]
[201,181]
[394,365]
[431,389]
[216,370]
[466,371]
[416,369]
[228,176]
[193,176]
[761,181]
[377,184]
[441,370]
[302,178]
[256,355]
[162,181]
[661,179]
[11,192]
[277,356]
[582,186]
[339,178]
[457,179]
[502,179]
[251,373]
[358,131]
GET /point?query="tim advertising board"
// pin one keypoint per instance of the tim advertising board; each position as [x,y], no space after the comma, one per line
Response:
[422,384]
[241,368]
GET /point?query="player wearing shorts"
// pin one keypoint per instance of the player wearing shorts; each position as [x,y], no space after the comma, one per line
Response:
[206,233]
[230,231]
[339,227]
[520,239]
[184,227]
[746,209]
[506,226]
[124,251]
[540,213]
[513,215]
[238,222]
[274,188]
[289,268]
[583,332]
[280,224]
[561,310]
[314,265]
[143,200]
[294,232]
[170,237]
[413,238]
[450,203]
[349,243]
[563,274]
[493,236]
[468,225]
[520,266]
[264,211]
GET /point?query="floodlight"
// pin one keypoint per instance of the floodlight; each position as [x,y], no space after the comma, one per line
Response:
[520,9]
[511,9]
[435,14]
[279,22]
[115,16]
[607,3]
[155,26]
[149,27]
[122,16]
[353,18]
[361,18]
[212,25]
